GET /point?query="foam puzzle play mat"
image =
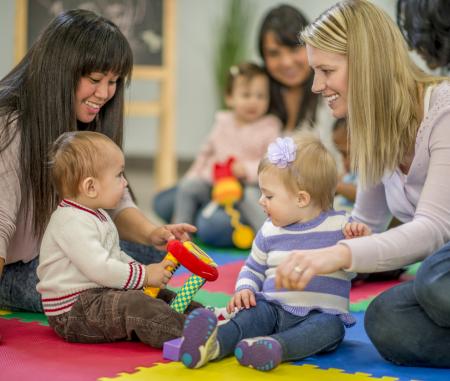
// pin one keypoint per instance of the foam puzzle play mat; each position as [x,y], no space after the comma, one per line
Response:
[30,350]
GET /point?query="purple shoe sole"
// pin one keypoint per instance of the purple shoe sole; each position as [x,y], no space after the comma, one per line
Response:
[262,354]
[199,327]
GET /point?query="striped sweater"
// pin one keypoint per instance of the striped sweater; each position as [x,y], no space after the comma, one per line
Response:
[79,251]
[327,293]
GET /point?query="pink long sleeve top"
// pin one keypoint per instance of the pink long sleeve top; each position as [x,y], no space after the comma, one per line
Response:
[247,143]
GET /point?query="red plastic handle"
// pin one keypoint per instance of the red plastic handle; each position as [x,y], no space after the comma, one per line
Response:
[192,261]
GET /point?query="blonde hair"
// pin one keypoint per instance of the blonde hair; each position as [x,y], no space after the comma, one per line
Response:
[313,170]
[383,92]
[75,156]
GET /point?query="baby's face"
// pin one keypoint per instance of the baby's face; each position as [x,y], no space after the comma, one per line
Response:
[249,98]
[111,181]
[280,205]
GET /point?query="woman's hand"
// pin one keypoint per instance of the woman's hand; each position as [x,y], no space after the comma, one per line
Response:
[241,299]
[296,271]
[161,235]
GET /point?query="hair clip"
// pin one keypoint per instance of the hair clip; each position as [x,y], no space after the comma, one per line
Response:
[282,152]
[234,70]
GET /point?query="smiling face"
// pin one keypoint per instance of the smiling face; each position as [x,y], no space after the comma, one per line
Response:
[93,91]
[286,64]
[249,97]
[330,78]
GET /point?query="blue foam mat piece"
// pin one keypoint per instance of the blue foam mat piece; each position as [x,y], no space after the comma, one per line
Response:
[357,354]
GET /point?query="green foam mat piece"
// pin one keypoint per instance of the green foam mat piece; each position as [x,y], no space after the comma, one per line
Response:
[360,306]
[27,317]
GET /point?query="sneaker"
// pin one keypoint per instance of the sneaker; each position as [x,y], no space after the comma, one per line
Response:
[261,353]
[199,339]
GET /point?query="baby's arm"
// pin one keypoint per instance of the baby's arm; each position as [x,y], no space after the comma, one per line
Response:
[356,229]
[251,277]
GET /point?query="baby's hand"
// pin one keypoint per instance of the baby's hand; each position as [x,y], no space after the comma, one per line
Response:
[355,229]
[241,299]
[157,275]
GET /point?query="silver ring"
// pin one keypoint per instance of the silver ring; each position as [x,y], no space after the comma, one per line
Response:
[298,269]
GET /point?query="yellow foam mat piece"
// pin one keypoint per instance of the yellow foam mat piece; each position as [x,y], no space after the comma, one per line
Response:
[5,312]
[229,369]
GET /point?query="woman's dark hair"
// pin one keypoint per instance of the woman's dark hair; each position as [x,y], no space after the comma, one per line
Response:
[38,96]
[425,24]
[286,22]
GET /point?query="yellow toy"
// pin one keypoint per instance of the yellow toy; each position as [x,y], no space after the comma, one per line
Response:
[227,190]
[196,261]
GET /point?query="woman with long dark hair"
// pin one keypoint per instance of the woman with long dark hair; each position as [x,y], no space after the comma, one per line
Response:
[72,78]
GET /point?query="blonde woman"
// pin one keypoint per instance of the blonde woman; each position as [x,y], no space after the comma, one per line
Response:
[399,125]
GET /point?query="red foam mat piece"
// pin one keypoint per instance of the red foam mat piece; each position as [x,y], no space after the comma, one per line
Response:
[29,351]
[368,290]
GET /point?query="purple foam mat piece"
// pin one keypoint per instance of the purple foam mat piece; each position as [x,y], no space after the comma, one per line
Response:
[171,349]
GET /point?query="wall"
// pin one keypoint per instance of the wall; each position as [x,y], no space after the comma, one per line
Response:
[196,103]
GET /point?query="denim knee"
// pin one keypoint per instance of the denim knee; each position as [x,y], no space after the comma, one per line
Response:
[163,204]
[381,326]
[432,284]
[215,230]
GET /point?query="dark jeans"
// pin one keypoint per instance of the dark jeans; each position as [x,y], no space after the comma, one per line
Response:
[410,324]
[104,315]
[299,336]
[18,281]
[18,287]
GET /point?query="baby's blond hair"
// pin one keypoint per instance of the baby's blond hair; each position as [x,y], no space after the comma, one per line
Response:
[313,170]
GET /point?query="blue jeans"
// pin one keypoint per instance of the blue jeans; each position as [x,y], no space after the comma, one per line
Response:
[410,324]
[213,224]
[18,287]
[142,253]
[299,336]
[18,281]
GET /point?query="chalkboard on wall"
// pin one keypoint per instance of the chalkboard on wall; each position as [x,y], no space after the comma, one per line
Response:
[139,20]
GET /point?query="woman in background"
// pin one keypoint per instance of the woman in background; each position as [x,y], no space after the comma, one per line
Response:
[291,99]
[425,24]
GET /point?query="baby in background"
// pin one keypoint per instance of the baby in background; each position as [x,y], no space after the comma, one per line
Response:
[297,181]
[243,132]
[91,290]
